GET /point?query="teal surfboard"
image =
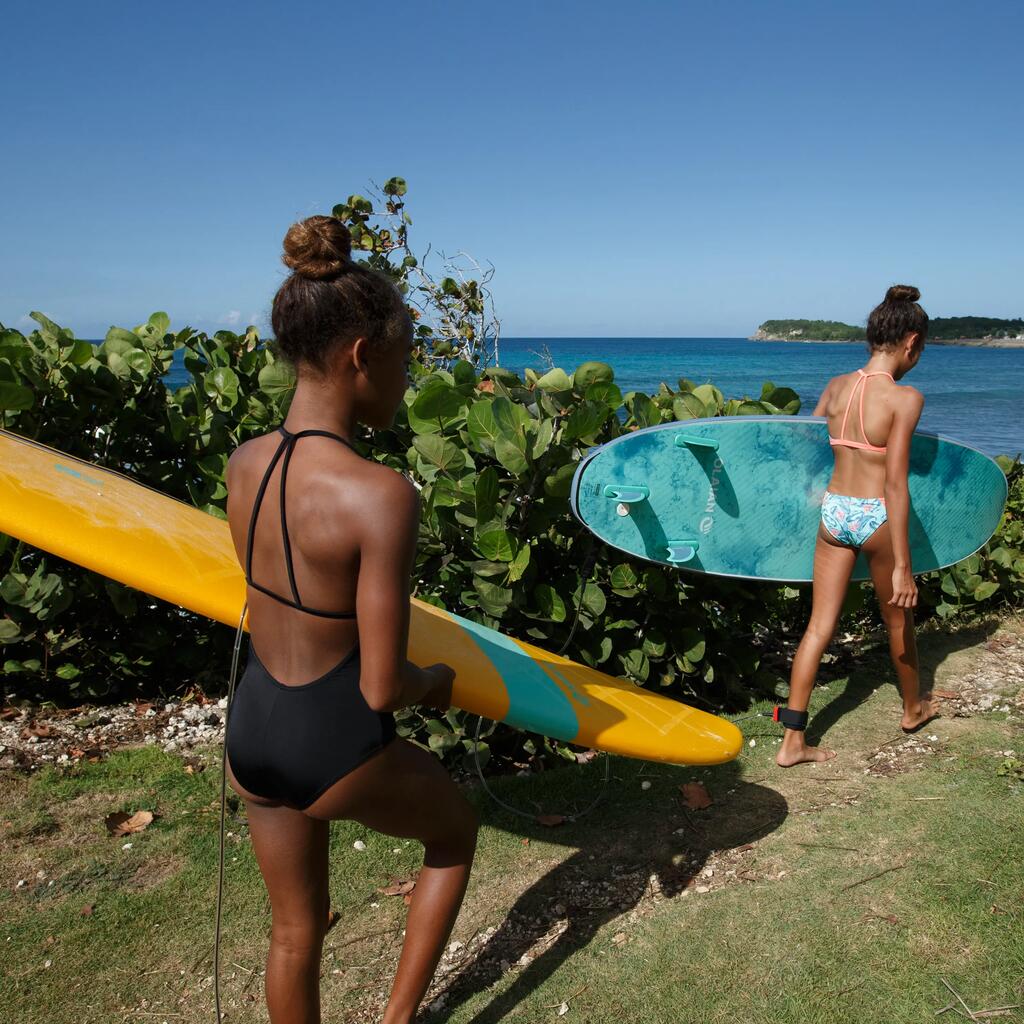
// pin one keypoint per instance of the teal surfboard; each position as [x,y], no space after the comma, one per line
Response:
[741,496]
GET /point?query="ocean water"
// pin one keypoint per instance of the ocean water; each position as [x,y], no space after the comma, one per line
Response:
[975,395]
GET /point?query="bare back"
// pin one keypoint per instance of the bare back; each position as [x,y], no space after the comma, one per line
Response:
[867,412]
[324,522]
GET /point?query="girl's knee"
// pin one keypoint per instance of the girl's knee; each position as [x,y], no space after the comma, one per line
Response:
[302,938]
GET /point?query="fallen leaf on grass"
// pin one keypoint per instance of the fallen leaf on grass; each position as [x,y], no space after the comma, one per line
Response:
[87,910]
[122,824]
[398,888]
[563,1009]
[618,938]
[525,842]
[550,820]
[695,796]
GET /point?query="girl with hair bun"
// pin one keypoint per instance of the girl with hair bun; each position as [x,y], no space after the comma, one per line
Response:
[866,508]
[327,540]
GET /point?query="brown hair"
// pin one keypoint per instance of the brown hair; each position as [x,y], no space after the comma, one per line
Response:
[896,316]
[329,299]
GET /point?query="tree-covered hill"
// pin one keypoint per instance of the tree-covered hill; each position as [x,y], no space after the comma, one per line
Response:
[949,328]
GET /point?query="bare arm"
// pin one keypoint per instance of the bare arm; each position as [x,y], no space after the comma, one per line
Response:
[389,681]
[897,493]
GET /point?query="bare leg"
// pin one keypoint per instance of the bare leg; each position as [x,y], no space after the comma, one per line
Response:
[899,624]
[405,792]
[291,849]
[833,566]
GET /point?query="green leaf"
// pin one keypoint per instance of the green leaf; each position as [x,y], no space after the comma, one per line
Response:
[604,393]
[482,426]
[486,497]
[687,406]
[277,380]
[985,590]
[439,452]
[47,328]
[9,630]
[80,353]
[559,483]
[139,361]
[161,323]
[636,665]
[624,580]
[438,400]
[493,599]
[550,602]
[68,671]
[748,408]
[15,397]
[694,646]
[592,373]
[498,545]
[555,380]
[222,386]
[585,421]
[711,397]
[121,341]
[642,409]
[464,373]
[517,567]
[594,600]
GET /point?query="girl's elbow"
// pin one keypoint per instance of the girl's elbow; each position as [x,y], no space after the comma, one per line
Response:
[380,697]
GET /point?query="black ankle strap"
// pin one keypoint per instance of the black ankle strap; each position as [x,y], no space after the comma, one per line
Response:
[790,719]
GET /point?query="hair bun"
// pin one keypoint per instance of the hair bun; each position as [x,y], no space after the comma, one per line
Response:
[902,293]
[318,248]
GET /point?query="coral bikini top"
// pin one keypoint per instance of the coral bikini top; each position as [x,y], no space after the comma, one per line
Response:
[862,386]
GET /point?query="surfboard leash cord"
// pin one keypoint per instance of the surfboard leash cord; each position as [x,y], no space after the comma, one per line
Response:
[223,810]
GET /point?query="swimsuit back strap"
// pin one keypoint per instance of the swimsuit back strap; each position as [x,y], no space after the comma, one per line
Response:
[286,448]
[257,505]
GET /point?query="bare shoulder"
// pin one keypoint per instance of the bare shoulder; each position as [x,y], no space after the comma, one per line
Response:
[907,399]
[365,496]
[244,456]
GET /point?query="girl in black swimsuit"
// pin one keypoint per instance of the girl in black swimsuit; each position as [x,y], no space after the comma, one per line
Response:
[311,737]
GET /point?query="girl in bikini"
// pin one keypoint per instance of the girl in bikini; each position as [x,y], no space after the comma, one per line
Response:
[866,508]
[327,540]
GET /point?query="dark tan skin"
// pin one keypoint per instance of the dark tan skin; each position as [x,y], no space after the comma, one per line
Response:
[891,414]
[353,527]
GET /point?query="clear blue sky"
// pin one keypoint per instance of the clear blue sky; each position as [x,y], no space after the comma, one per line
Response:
[630,168]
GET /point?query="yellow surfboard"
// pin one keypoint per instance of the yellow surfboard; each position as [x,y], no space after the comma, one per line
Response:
[131,533]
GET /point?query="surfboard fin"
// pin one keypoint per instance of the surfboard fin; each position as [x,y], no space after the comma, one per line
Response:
[680,551]
[696,441]
[628,494]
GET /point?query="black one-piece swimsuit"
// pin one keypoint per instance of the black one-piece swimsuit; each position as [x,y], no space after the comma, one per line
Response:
[292,743]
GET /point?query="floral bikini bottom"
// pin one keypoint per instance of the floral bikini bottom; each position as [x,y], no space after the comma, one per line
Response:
[852,520]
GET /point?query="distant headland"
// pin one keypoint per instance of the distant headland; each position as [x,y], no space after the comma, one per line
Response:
[979,331]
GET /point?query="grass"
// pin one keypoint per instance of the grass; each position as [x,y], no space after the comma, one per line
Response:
[835,893]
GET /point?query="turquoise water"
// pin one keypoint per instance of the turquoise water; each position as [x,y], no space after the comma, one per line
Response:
[972,394]
[975,395]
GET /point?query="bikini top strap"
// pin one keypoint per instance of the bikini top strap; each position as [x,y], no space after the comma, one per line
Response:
[864,378]
[849,402]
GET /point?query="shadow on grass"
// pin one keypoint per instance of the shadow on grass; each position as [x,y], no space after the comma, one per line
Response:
[934,646]
[618,848]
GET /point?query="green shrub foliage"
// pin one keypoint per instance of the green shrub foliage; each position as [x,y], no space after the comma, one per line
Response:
[493,453]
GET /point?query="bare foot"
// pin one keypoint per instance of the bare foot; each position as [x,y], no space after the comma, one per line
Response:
[921,716]
[802,754]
